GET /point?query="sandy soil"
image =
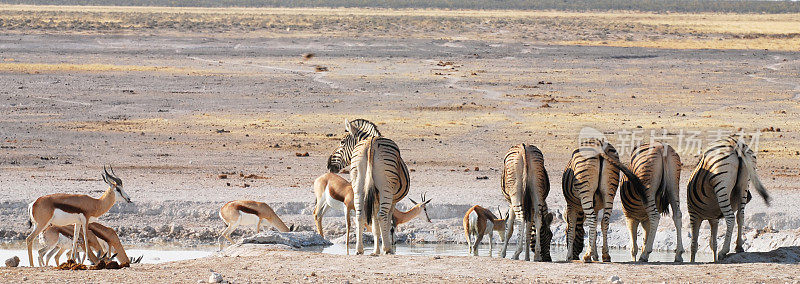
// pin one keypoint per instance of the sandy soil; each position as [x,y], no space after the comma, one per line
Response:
[173,110]
[292,266]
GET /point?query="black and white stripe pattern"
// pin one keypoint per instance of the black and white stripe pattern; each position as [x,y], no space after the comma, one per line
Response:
[379,177]
[718,188]
[357,130]
[658,166]
[590,183]
[525,186]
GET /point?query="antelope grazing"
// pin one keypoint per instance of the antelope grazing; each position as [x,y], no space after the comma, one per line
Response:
[718,188]
[333,191]
[479,221]
[73,209]
[247,212]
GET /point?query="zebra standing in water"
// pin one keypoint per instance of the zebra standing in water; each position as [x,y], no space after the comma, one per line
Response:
[379,178]
[658,166]
[590,183]
[546,236]
[525,186]
[718,187]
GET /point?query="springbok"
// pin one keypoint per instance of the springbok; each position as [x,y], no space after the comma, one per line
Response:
[333,191]
[102,239]
[479,221]
[67,209]
[247,212]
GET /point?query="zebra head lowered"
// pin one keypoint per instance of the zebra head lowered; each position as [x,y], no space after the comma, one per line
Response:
[356,131]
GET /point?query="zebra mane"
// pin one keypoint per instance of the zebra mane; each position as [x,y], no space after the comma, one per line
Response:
[363,126]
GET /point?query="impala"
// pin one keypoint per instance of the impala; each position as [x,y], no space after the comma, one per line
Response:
[73,209]
[247,212]
[333,191]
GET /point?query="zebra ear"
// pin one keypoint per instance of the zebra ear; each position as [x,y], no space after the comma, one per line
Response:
[347,126]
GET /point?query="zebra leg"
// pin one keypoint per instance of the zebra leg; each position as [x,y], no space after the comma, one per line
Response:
[537,222]
[385,220]
[572,220]
[591,222]
[714,224]
[633,227]
[650,226]
[695,224]
[739,223]
[730,219]
[509,232]
[676,219]
[526,234]
[376,235]
[604,228]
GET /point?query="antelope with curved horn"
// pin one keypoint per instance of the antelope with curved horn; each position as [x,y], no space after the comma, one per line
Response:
[248,212]
[333,191]
[479,221]
[73,209]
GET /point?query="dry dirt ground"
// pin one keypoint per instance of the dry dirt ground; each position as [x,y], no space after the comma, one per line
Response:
[175,98]
[292,267]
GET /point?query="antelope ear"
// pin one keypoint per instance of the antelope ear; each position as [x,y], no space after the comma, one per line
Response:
[412,201]
[347,126]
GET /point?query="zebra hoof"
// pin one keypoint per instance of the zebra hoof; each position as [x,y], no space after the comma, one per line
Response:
[739,249]
[678,258]
[643,259]
[587,258]
[606,258]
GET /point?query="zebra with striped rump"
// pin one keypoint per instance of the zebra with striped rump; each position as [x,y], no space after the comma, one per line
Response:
[590,183]
[525,186]
[379,178]
[719,187]
[658,166]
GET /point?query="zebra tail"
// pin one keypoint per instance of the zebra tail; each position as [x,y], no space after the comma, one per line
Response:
[662,193]
[635,181]
[372,194]
[748,162]
[527,205]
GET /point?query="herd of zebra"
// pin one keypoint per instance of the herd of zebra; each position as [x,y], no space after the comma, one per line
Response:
[380,178]
[718,188]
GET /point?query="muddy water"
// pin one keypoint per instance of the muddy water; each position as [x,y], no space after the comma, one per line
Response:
[558,253]
[151,255]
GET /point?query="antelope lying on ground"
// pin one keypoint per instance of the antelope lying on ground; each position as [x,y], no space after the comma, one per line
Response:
[333,191]
[68,209]
[247,212]
[479,221]
[102,240]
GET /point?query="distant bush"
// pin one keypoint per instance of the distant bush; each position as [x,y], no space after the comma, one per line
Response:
[567,5]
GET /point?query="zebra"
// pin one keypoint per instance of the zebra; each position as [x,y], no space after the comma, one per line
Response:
[379,177]
[589,184]
[525,186]
[359,129]
[658,166]
[718,187]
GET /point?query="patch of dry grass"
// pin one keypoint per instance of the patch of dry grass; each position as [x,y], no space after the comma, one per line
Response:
[666,30]
[35,68]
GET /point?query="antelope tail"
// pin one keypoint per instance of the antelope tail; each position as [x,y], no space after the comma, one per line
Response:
[635,181]
[751,169]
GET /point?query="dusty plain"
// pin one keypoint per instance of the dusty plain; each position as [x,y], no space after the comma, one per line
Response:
[175,97]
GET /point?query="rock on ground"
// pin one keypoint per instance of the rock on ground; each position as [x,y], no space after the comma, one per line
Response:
[293,239]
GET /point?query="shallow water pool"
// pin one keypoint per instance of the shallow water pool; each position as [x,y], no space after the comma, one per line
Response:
[151,255]
[558,253]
